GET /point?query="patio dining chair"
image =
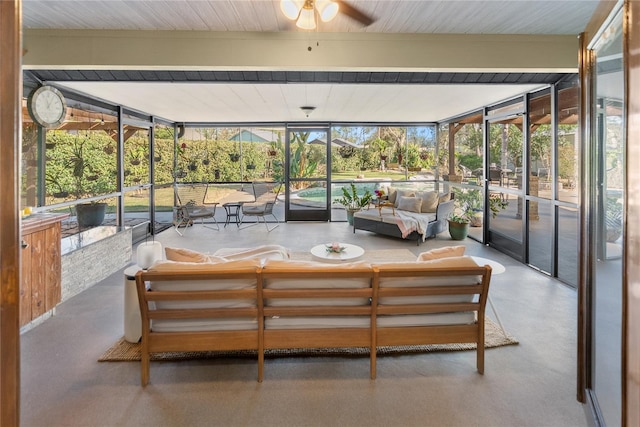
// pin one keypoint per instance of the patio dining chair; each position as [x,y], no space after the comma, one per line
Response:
[191,206]
[266,196]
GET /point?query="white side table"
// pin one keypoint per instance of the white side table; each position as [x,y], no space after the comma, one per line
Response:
[496,268]
[132,320]
[350,253]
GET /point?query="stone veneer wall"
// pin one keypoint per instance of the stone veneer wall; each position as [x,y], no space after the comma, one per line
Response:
[86,266]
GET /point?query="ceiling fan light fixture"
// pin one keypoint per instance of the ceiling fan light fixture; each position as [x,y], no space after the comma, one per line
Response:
[306,20]
[291,8]
[327,9]
[307,110]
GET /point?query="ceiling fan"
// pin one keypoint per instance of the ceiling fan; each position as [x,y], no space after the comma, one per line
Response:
[304,12]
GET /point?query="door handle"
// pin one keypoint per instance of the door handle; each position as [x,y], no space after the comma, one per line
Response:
[24,244]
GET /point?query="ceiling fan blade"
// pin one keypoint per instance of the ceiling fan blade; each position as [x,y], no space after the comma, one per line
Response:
[355,13]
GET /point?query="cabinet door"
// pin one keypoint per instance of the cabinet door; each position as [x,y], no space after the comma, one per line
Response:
[38,274]
[25,285]
[52,266]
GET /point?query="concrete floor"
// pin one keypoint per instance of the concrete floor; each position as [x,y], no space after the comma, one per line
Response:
[531,384]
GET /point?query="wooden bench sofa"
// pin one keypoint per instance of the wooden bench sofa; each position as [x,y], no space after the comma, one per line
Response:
[275,304]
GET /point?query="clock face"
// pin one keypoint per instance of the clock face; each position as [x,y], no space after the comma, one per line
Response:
[47,106]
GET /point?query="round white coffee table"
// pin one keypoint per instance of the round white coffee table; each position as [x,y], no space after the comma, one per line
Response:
[350,253]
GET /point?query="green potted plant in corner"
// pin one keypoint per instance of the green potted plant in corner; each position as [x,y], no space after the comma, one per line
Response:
[353,202]
[459,225]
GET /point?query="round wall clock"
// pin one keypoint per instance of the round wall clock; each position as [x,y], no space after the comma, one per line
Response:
[47,106]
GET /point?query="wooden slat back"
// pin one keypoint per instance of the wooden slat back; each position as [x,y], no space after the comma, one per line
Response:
[480,289]
[148,311]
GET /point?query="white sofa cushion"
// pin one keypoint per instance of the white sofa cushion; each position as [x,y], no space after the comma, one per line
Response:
[460,318]
[244,266]
[198,325]
[316,322]
[423,281]
[321,282]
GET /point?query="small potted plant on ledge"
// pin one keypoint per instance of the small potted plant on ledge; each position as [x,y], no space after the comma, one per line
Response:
[353,202]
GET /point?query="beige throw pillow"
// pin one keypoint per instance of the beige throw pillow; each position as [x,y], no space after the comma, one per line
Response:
[444,197]
[392,194]
[411,204]
[429,201]
[188,255]
[446,252]
[403,193]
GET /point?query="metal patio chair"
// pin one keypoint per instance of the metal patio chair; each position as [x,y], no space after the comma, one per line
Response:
[192,207]
[266,196]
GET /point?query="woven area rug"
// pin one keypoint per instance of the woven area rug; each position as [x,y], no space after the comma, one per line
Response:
[123,351]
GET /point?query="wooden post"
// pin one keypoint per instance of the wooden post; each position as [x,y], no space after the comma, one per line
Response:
[10,135]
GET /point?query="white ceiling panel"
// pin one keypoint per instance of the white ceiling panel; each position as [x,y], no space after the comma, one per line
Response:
[197,102]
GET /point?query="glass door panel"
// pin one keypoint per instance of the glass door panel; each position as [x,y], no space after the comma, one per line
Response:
[504,181]
[307,175]
[163,154]
[607,197]
[137,180]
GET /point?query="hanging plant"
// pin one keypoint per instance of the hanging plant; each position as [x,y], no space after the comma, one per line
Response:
[424,155]
[157,158]
[179,174]
[193,166]
[234,157]
[109,149]
[251,166]
[206,162]
[346,151]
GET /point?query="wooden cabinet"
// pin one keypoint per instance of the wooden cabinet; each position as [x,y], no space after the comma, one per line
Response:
[40,289]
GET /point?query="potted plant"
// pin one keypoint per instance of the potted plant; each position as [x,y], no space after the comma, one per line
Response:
[86,182]
[346,151]
[381,146]
[353,202]
[459,225]
[273,149]
[471,201]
